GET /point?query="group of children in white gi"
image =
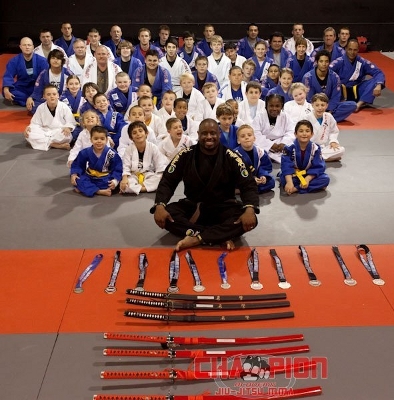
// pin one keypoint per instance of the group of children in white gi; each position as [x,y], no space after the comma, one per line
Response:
[144,140]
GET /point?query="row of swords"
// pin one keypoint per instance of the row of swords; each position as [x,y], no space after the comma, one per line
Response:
[169,345]
[363,252]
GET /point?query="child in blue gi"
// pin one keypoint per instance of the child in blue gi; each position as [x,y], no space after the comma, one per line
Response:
[110,119]
[270,81]
[202,75]
[255,158]
[97,169]
[283,88]
[303,167]
[89,90]
[72,96]
[228,131]
[122,96]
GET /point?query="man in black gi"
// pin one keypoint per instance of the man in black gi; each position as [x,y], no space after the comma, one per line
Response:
[210,213]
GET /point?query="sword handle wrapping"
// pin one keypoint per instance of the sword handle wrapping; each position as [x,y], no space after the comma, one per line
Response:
[136,353]
[136,375]
[128,397]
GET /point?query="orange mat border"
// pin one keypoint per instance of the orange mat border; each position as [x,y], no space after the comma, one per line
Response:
[40,296]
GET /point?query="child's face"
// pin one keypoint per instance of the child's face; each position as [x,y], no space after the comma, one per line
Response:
[248,71]
[176,130]
[99,140]
[55,62]
[51,96]
[90,119]
[138,135]
[73,85]
[216,47]
[123,83]
[144,90]
[299,96]
[235,108]
[236,77]
[246,138]
[274,107]
[147,106]
[285,80]
[301,50]
[231,54]
[253,95]
[187,85]
[211,94]
[181,110]
[303,134]
[225,122]
[90,92]
[273,73]
[168,101]
[319,107]
[137,114]
[125,52]
[260,51]
[101,104]
[202,66]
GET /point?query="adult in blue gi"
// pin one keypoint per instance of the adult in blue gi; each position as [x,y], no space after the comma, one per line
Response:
[362,80]
[21,73]
[144,36]
[205,44]
[329,37]
[322,79]
[66,41]
[246,44]
[277,52]
[115,41]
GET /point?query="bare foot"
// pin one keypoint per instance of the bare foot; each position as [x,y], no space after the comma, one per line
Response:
[360,105]
[76,190]
[333,159]
[186,242]
[63,146]
[291,191]
[229,245]
[104,192]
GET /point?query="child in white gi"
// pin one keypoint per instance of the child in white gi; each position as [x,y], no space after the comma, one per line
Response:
[167,106]
[52,124]
[298,108]
[143,163]
[188,92]
[176,141]
[207,108]
[252,105]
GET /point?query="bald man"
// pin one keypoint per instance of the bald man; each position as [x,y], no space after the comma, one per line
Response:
[21,73]
[116,39]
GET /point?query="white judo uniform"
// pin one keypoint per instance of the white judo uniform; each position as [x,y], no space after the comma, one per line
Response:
[150,172]
[196,97]
[167,147]
[205,110]
[74,66]
[46,128]
[266,135]
[110,54]
[191,129]
[325,133]
[163,114]
[90,74]
[296,111]
[221,69]
[158,127]
[289,44]
[125,141]
[244,111]
[38,50]
[179,67]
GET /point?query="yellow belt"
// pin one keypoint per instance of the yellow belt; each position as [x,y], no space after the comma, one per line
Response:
[96,174]
[140,177]
[300,175]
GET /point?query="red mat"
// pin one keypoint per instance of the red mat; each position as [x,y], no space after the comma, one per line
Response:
[39,295]
[14,121]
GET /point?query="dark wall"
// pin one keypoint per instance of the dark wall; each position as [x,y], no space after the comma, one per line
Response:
[372,19]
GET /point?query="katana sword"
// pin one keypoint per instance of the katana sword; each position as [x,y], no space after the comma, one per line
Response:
[200,297]
[190,375]
[208,318]
[203,353]
[173,341]
[184,305]
[282,394]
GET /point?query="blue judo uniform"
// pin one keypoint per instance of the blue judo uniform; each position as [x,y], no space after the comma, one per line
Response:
[336,52]
[20,81]
[161,84]
[353,76]
[140,56]
[68,48]
[244,48]
[94,172]
[210,78]
[261,70]
[113,122]
[299,71]
[285,57]
[190,58]
[74,105]
[260,166]
[340,110]
[229,139]
[43,80]
[278,90]
[205,47]
[120,101]
[309,163]
[134,64]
